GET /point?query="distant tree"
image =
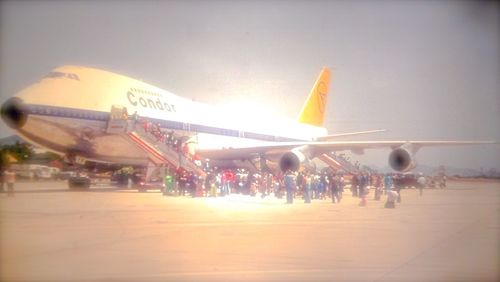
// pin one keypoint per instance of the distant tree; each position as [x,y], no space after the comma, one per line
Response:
[3,159]
[20,151]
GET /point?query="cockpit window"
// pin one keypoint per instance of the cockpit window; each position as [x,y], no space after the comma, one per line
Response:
[57,74]
[73,76]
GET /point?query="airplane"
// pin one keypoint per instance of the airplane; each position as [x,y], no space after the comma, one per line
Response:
[85,114]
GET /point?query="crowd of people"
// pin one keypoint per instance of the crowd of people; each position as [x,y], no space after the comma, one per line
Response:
[166,137]
[308,186]
[326,184]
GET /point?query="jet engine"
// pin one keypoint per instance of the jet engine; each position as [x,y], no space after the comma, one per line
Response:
[295,158]
[401,159]
[291,160]
[14,113]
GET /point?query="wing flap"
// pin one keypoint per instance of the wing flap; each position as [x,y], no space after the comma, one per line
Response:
[335,136]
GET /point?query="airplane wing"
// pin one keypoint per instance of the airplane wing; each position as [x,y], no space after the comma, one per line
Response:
[334,136]
[323,147]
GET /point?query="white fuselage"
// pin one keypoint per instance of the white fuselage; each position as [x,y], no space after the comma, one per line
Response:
[69,109]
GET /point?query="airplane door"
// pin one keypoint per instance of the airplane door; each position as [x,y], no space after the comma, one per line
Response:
[118,120]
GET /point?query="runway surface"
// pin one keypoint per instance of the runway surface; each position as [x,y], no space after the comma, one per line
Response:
[51,234]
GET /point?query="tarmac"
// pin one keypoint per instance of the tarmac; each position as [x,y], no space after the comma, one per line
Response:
[49,233]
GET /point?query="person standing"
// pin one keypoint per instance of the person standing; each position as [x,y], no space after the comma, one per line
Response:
[341,186]
[230,182]
[183,180]
[278,187]
[421,184]
[378,187]
[314,186]
[323,185]
[307,188]
[225,183]
[10,179]
[442,182]
[387,183]
[1,180]
[135,118]
[289,180]
[333,187]
[362,182]
[354,185]
[363,188]
[193,184]
[300,181]
[398,183]
[211,184]
[169,184]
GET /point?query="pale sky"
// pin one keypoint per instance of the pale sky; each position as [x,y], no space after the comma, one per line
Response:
[424,70]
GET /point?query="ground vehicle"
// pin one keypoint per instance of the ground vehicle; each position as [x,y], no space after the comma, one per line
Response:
[64,175]
[408,180]
[35,171]
[79,181]
[143,186]
[43,172]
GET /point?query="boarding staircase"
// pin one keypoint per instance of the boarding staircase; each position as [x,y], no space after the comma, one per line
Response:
[159,153]
[337,163]
[348,166]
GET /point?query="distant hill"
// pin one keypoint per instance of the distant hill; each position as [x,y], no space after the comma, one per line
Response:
[465,172]
[10,140]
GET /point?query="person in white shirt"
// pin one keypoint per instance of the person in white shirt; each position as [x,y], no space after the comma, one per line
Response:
[10,179]
[421,184]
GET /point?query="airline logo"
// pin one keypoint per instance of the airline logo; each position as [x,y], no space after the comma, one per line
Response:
[148,99]
[313,110]
[321,91]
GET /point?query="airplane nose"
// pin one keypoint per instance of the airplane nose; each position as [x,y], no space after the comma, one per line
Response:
[13,113]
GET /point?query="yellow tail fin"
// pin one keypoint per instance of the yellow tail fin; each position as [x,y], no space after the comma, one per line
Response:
[313,110]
